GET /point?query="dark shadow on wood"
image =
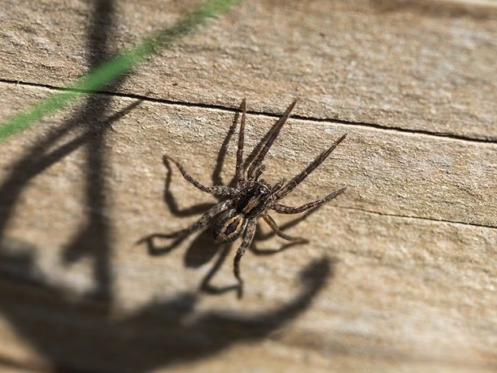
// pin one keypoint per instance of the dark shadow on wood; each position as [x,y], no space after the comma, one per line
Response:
[201,250]
[93,240]
[206,284]
[216,175]
[79,337]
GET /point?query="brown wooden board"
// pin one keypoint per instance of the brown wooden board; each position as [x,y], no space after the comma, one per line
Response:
[400,273]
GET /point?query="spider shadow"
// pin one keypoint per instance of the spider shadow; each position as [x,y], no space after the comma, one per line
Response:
[185,335]
[203,248]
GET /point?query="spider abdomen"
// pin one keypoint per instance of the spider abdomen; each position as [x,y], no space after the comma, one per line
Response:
[229,225]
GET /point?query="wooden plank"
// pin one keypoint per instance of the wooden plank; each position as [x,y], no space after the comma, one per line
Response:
[409,281]
[409,65]
[381,258]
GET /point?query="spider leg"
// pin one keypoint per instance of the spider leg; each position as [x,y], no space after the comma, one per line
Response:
[259,171]
[239,176]
[311,167]
[202,222]
[216,190]
[270,221]
[282,209]
[171,201]
[183,233]
[247,240]
[273,133]
[278,186]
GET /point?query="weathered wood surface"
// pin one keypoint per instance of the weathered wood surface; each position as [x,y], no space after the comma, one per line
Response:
[410,280]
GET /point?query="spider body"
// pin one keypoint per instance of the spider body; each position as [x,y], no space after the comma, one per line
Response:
[229,225]
[251,198]
[250,203]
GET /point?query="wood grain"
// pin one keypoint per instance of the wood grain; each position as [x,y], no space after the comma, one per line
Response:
[401,270]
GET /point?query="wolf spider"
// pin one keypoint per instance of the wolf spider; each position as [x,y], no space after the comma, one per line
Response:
[250,197]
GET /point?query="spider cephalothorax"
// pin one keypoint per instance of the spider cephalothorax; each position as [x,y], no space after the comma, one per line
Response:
[250,197]
[251,202]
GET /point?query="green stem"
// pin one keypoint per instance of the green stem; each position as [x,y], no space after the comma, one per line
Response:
[110,71]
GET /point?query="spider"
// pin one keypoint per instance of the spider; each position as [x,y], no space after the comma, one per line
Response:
[251,197]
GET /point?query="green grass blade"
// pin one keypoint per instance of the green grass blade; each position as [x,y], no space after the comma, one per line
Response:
[122,64]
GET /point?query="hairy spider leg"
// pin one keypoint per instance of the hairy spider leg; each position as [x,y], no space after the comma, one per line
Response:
[311,167]
[260,170]
[282,209]
[204,220]
[239,176]
[216,190]
[278,186]
[247,240]
[257,149]
[274,131]
[270,221]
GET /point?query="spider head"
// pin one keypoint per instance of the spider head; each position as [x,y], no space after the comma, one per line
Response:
[254,199]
